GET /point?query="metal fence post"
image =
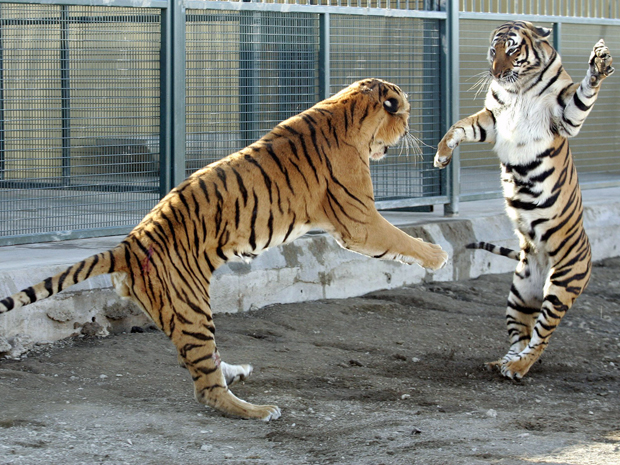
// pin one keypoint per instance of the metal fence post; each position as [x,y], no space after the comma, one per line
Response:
[451,105]
[557,36]
[65,95]
[324,57]
[172,103]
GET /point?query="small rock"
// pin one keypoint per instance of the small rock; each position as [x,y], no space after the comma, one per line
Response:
[416,431]
[20,345]
[491,413]
[415,359]
[4,345]
[356,363]
[206,448]
[61,314]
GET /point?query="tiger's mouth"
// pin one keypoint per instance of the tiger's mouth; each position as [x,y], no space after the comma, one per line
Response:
[379,153]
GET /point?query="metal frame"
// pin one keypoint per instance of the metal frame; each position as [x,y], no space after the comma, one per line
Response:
[172,137]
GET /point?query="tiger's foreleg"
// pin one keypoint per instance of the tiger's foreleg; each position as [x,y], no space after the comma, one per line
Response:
[378,238]
[579,99]
[479,127]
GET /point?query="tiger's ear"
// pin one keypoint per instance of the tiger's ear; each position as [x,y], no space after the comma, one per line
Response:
[542,31]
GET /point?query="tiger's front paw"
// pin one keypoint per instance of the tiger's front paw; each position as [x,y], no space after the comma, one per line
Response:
[600,63]
[445,148]
[436,257]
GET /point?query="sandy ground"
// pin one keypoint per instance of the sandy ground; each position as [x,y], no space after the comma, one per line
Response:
[395,377]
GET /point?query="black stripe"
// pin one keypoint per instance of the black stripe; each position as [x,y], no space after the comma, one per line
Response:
[92,266]
[551,81]
[9,303]
[199,336]
[275,158]
[579,104]
[32,296]
[270,229]
[222,175]
[252,239]
[112,262]
[266,177]
[77,272]
[290,228]
[48,286]
[244,192]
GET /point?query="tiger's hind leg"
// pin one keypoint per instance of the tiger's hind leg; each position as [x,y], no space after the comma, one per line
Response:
[559,294]
[197,350]
[523,308]
[232,373]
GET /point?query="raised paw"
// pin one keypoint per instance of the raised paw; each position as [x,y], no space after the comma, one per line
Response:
[445,148]
[600,62]
[437,257]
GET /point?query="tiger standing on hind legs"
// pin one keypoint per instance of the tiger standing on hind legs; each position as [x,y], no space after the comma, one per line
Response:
[310,171]
[531,108]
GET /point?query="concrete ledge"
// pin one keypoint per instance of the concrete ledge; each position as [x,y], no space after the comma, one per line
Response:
[313,267]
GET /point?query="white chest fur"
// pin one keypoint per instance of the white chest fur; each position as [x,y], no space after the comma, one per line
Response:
[523,125]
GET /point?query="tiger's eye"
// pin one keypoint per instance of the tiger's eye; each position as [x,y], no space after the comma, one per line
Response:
[391,105]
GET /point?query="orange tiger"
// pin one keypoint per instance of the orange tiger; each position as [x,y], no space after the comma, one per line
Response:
[310,171]
[532,107]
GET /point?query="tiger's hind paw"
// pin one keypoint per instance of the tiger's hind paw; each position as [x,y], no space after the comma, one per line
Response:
[600,63]
[511,366]
[235,373]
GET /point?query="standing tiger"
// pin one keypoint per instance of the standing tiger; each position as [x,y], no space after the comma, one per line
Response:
[310,171]
[531,108]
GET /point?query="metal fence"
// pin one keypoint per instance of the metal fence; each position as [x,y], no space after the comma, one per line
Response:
[107,104]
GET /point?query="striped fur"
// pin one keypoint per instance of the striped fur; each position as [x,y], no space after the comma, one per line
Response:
[503,251]
[310,171]
[532,107]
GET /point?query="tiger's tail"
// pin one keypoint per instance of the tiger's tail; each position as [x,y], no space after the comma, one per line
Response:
[101,263]
[503,251]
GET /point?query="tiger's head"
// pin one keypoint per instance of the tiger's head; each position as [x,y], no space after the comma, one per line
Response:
[518,50]
[379,109]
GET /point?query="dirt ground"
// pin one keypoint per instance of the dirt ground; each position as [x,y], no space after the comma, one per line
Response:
[395,377]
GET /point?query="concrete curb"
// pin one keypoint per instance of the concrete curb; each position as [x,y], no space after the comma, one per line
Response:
[311,268]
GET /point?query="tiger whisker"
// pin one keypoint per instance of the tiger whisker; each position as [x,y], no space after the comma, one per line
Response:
[484,79]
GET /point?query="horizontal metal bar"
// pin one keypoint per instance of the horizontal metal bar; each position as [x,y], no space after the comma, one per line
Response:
[414,202]
[317,9]
[599,184]
[112,3]
[539,18]
[65,235]
[480,196]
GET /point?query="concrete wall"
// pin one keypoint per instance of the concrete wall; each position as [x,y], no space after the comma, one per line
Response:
[311,268]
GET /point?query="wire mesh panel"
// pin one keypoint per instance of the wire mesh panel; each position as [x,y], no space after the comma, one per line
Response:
[79,117]
[405,51]
[596,147]
[246,71]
